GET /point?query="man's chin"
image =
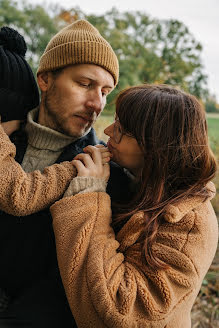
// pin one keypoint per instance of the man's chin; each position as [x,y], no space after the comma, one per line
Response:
[76,134]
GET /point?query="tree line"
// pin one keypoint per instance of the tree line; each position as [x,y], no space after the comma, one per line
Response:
[150,50]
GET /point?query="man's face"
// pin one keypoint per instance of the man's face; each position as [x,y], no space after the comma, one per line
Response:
[72,100]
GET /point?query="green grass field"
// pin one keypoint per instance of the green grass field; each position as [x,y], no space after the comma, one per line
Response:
[213,128]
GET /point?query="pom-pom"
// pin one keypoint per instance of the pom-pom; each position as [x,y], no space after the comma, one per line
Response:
[13,41]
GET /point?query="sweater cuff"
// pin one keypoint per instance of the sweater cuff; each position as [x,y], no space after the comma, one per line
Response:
[85,184]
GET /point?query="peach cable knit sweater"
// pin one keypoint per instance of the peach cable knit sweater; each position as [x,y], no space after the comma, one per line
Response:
[106,282]
[25,193]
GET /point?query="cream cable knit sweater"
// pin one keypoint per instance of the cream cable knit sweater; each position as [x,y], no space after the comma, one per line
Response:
[25,193]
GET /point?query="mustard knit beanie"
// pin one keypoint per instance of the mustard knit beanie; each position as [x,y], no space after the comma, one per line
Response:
[79,43]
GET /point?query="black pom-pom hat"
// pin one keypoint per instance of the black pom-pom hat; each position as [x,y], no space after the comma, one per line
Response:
[18,88]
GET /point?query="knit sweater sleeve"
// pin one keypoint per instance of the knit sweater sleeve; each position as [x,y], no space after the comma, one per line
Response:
[106,281]
[84,185]
[25,193]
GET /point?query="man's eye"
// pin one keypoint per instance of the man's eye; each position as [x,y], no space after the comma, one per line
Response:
[86,85]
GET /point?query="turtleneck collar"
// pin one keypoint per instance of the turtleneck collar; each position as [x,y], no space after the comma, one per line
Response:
[42,137]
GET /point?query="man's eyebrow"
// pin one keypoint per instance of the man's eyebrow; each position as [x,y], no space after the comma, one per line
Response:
[108,87]
[95,81]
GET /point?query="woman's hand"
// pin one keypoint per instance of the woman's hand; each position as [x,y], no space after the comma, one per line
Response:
[11,126]
[94,163]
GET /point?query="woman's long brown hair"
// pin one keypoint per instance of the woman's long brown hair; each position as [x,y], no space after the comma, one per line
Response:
[170,127]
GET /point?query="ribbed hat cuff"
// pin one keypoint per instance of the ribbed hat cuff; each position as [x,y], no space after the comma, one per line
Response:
[79,52]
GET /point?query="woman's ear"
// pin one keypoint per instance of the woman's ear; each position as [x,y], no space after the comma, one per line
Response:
[43,81]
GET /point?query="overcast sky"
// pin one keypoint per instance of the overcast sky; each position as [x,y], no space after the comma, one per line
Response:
[200,16]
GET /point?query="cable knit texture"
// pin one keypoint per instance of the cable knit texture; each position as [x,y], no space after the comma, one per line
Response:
[107,283]
[25,193]
[44,144]
[85,184]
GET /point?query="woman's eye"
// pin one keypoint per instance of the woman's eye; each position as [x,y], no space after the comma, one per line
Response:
[118,127]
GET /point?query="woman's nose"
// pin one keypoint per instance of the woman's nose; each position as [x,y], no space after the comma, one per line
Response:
[109,130]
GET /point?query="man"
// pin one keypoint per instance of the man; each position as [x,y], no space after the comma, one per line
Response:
[76,73]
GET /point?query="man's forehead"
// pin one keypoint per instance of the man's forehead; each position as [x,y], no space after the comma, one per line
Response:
[94,73]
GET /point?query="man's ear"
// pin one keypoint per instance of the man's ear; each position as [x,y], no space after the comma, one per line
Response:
[43,81]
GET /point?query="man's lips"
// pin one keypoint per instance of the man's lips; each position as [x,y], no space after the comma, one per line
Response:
[86,119]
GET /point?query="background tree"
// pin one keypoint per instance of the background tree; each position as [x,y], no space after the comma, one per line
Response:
[211,104]
[149,50]
[35,23]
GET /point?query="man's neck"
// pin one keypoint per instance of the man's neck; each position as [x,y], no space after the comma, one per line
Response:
[43,137]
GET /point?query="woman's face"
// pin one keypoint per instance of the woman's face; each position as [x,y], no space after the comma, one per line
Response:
[125,152]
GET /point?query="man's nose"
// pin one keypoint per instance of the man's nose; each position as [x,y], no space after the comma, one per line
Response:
[96,101]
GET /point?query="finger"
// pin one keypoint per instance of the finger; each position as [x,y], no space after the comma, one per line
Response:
[103,150]
[100,146]
[95,154]
[81,169]
[106,154]
[106,171]
[106,160]
[86,159]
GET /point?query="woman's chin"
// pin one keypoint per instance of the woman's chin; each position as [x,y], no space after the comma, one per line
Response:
[116,161]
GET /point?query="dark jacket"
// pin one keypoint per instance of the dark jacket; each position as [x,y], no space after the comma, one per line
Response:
[29,272]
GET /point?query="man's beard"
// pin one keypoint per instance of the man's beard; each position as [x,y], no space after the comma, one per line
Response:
[55,120]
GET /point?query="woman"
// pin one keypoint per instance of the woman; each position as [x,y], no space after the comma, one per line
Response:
[143,265]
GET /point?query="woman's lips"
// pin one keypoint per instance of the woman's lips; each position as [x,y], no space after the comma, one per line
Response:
[110,147]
